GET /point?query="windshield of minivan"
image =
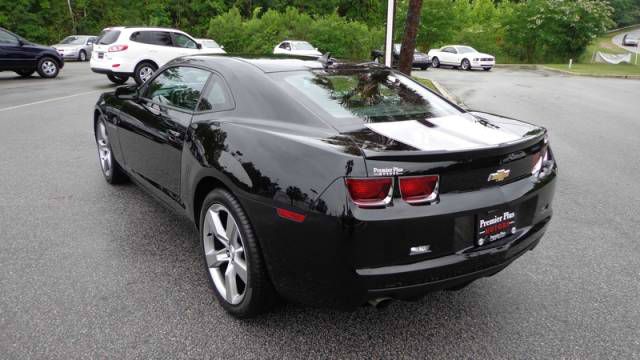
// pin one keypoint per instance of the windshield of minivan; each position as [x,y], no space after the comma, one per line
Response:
[73,40]
[108,37]
[365,96]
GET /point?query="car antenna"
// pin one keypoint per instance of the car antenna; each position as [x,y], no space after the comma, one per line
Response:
[326,60]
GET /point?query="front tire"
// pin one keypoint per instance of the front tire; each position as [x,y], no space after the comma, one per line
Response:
[232,257]
[144,71]
[48,68]
[117,79]
[465,65]
[435,62]
[486,69]
[111,170]
[82,56]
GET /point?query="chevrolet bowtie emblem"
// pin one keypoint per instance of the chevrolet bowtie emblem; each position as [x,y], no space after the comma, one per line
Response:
[499,175]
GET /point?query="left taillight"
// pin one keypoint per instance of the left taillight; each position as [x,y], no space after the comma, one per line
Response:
[116,48]
[419,189]
[370,192]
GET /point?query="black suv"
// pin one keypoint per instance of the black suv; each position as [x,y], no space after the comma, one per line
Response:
[25,58]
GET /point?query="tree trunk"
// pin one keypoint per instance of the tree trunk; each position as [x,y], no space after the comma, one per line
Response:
[410,33]
[73,19]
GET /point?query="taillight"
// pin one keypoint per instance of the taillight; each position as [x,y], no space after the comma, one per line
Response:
[116,48]
[370,192]
[539,159]
[419,189]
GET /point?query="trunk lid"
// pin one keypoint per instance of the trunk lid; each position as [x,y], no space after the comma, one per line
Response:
[466,151]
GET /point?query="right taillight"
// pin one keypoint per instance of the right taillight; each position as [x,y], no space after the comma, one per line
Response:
[542,162]
[419,189]
[370,192]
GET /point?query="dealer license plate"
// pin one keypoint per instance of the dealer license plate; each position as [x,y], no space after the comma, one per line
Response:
[495,225]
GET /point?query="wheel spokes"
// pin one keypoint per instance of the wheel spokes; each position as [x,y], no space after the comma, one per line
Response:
[216,258]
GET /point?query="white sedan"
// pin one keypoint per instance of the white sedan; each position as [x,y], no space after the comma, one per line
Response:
[465,57]
[296,47]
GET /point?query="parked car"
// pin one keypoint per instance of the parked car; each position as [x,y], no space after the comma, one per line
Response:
[296,47]
[25,58]
[122,52]
[211,46]
[420,59]
[330,184]
[76,47]
[464,57]
[629,40]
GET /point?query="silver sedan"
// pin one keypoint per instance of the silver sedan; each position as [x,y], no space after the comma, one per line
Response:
[76,47]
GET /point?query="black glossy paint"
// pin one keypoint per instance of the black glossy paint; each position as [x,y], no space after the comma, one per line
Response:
[24,55]
[273,150]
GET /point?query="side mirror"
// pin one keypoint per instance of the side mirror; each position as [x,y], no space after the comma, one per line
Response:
[199,46]
[128,92]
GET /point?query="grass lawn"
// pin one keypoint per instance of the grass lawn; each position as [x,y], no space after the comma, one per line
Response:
[427,83]
[599,69]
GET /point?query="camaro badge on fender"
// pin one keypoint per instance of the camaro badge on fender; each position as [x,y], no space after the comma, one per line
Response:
[499,175]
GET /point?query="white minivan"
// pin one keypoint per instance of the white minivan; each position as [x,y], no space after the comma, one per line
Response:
[122,52]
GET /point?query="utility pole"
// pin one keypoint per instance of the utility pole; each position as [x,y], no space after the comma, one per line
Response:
[409,38]
[388,40]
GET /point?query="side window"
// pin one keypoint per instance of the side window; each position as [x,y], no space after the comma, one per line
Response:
[285,45]
[161,38]
[91,40]
[217,96]
[179,86]
[7,39]
[183,41]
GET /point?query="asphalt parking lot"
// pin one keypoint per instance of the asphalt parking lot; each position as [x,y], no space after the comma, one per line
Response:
[90,270]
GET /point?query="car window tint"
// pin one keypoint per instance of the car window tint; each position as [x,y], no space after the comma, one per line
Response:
[7,39]
[179,86]
[352,97]
[217,96]
[108,37]
[160,38]
[284,45]
[184,41]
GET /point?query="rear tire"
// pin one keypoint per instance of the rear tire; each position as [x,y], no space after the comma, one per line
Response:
[48,68]
[111,170]
[144,71]
[435,62]
[232,257]
[117,79]
[25,73]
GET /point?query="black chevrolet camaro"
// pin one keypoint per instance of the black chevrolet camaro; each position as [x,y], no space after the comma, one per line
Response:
[329,184]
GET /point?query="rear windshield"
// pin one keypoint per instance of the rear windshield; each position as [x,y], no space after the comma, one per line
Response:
[355,97]
[108,37]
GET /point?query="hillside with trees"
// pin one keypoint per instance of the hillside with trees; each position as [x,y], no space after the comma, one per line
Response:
[516,31]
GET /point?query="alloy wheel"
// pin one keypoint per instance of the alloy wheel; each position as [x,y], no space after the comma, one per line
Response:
[49,67]
[83,56]
[224,253]
[104,150]
[145,73]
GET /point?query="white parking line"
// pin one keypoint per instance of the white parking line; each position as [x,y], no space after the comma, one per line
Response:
[50,100]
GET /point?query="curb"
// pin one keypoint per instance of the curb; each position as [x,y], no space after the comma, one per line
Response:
[614,76]
[519,66]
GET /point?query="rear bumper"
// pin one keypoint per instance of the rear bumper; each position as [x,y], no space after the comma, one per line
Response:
[339,259]
[449,271]
[109,72]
